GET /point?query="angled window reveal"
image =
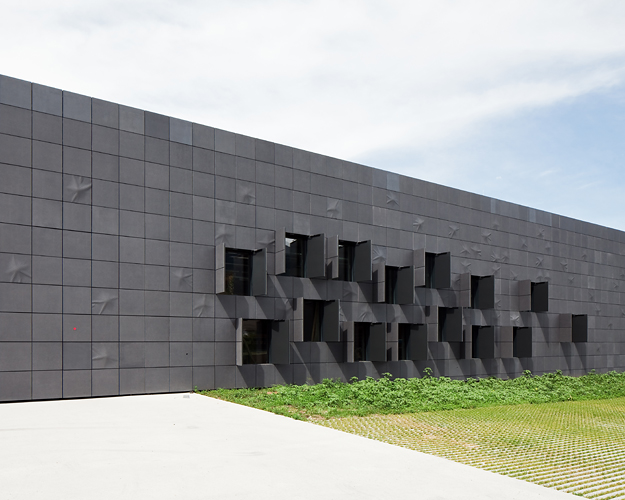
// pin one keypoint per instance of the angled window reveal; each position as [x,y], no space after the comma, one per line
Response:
[320,321]
[399,285]
[533,296]
[483,292]
[262,341]
[522,342]
[353,260]
[369,341]
[483,342]
[580,328]
[240,272]
[300,256]
[432,270]
[412,342]
[450,324]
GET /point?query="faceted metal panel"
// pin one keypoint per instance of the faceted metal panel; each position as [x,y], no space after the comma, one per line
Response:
[362,261]
[379,281]
[316,257]
[405,285]
[298,319]
[279,346]
[332,257]
[417,347]
[525,295]
[450,324]
[331,321]
[377,342]
[280,255]
[220,268]
[259,272]
[442,271]
[419,267]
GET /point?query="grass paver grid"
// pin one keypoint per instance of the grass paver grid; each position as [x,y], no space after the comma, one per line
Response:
[577,447]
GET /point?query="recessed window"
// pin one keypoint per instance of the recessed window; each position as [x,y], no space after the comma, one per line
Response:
[437,270]
[540,297]
[238,272]
[580,328]
[483,342]
[369,341]
[412,342]
[450,324]
[313,320]
[263,341]
[295,254]
[391,285]
[483,292]
[522,342]
[256,338]
[346,260]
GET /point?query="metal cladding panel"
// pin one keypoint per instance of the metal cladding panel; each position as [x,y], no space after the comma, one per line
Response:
[522,343]
[442,271]
[464,295]
[540,297]
[279,345]
[220,268]
[239,341]
[486,293]
[405,285]
[332,257]
[565,328]
[316,257]
[362,261]
[331,321]
[580,328]
[419,267]
[280,255]
[377,342]
[484,342]
[348,326]
[525,295]
[259,272]
[450,324]
[379,282]
[298,319]
[417,348]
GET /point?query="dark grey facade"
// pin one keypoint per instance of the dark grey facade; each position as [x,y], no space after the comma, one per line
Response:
[141,253]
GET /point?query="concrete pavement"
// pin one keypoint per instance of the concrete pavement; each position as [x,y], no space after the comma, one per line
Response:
[181,446]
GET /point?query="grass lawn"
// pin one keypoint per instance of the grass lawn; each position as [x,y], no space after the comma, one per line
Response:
[562,432]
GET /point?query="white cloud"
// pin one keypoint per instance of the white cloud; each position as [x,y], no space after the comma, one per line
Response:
[342,78]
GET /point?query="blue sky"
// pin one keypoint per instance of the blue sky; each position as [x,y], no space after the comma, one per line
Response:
[522,100]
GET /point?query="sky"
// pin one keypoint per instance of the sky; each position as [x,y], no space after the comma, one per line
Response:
[522,101]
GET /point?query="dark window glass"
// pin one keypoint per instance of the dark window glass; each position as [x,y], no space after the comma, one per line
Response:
[346,260]
[391,285]
[295,247]
[256,335]
[402,345]
[313,321]
[238,272]
[361,341]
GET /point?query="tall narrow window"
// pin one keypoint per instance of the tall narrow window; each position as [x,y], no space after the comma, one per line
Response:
[238,272]
[256,336]
[391,285]
[361,341]
[346,260]
[295,249]
[313,320]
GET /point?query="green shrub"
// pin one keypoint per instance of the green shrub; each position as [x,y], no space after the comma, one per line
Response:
[333,398]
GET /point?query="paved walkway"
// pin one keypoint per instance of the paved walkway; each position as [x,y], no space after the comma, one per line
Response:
[181,446]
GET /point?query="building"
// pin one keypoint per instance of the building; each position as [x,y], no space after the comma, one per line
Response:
[141,253]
